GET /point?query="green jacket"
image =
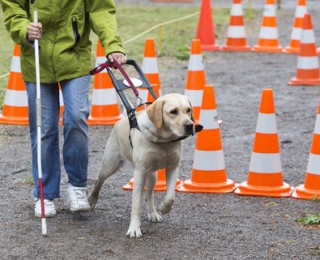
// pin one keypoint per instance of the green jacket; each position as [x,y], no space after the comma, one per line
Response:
[65,47]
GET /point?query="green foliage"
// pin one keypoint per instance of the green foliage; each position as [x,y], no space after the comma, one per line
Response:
[310,219]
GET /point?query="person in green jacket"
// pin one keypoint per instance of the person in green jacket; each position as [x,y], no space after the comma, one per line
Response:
[63,31]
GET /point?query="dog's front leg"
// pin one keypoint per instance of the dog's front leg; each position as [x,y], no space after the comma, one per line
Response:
[153,215]
[171,179]
[138,185]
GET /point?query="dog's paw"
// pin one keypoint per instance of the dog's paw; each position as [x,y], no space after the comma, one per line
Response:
[166,208]
[134,232]
[154,217]
[92,201]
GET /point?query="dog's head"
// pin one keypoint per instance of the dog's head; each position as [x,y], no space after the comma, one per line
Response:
[172,113]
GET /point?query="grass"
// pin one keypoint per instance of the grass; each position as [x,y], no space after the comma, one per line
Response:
[310,219]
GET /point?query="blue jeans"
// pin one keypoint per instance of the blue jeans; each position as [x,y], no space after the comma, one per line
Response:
[75,147]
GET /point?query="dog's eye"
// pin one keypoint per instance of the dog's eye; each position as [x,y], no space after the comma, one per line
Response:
[174,112]
[188,110]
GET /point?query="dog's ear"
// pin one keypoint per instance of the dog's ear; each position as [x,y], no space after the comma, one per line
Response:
[154,113]
[192,118]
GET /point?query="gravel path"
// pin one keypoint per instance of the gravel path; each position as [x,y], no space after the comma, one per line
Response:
[201,226]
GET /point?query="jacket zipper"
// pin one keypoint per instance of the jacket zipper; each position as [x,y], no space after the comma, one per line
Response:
[75,30]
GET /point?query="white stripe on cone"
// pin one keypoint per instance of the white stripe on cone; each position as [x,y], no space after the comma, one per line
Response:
[143,94]
[296,33]
[265,163]
[196,62]
[266,124]
[301,10]
[268,33]
[149,65]
[236,32]
[104,97]
[16,98]
[100,60]
[269,11]
[314,164]
[208,160]
[308,37]
[15,64]
[317,126]
[236,10]
[195,96]
[208,119]
[61,98]
[307,63]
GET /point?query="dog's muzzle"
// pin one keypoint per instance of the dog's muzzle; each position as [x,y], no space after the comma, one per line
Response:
[189,128]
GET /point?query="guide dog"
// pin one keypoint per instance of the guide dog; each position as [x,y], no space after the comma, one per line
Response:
[156,144]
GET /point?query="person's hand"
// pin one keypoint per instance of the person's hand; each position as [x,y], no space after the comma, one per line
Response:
[34,31]
[118,56]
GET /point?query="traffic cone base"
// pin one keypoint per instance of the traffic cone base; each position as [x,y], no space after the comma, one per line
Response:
[161,184]
[304,82]
[303,192]
[267,49]
[236,48]
[290,49]
[213,47]
[285,190]
[189,186]
[13,121]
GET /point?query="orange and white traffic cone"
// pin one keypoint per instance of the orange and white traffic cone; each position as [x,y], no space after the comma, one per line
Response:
[236,39]
[265,172]
[311,187]
[205,29]
[161,184]
[296,32]
[151,71]
[208,171]
[150,62]
[195,78]
[268,37]
[307,73]
[104,105]
[15,107]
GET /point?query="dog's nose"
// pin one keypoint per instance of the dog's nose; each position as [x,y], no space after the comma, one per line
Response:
[189,128]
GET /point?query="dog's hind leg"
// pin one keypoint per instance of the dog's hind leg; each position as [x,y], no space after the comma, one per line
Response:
[153,215]
[171,179]
[109,165]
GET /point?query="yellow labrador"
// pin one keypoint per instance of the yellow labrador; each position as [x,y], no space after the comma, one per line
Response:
[157,145]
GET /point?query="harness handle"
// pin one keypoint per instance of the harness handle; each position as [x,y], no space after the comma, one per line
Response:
[116,65]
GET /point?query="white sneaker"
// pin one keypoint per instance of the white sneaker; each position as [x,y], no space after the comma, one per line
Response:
[78,198]
[49,208]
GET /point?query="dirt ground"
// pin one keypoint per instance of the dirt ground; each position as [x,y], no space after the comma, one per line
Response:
[200,226]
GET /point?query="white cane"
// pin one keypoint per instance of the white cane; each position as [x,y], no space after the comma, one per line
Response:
[38,109]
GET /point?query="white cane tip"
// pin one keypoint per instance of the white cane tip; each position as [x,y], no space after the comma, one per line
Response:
[44,226]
